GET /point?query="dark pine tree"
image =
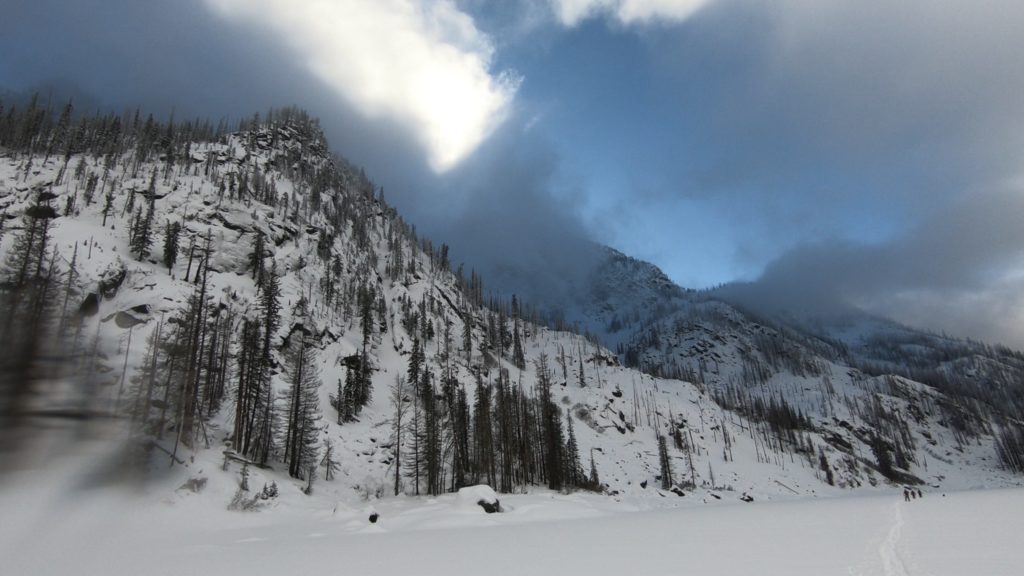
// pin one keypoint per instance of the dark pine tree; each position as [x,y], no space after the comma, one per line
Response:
[26,315]
[302,433]
[665,463]
[573,470]
[172,233]
[551,428]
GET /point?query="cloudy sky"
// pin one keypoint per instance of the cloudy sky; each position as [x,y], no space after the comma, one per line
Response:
[836,152]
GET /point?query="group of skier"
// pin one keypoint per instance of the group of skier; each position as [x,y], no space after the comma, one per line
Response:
[911,493]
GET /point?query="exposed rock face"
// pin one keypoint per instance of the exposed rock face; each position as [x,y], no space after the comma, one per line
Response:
[90,306]
[490,507]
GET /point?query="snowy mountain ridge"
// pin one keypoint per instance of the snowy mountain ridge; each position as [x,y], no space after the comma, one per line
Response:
[176,343]
[757,363]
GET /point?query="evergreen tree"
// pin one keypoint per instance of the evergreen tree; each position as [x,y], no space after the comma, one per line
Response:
[172,235]
[505,424]
[191,332]
[573,471]
[350,394]
[551,427]
[415,361]
[301,443]
[467,334]
[414,461]
[594,480]
[518,357]
[363,383]
[59,136]
[398,400]
[259,443]
[28,256]
[26,316]
[90,186]
[143,236]
[198,322]
[431,440]
[338,401]
[483,434]
[665,463]
[256,258]
[458,432]
[247,391]
[108,206]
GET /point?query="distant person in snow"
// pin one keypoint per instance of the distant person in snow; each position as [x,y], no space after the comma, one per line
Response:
[906,495]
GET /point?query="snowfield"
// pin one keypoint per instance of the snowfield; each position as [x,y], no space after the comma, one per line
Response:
[50,527]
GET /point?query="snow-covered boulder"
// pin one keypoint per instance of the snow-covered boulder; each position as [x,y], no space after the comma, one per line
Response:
[112,278]
[480,495]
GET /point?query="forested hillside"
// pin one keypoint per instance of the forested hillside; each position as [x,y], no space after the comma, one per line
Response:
[248,309]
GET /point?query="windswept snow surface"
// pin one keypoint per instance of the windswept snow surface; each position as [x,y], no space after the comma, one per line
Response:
[49,528]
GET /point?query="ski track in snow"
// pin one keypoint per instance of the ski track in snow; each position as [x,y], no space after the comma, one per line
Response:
[892,562]
[884,555]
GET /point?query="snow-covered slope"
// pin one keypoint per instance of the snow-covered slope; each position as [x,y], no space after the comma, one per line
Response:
[619,295]
[856,380]
[749,411]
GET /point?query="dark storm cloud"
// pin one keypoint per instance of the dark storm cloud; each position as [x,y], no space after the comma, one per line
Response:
[165,55]
[497,210]
[179,57]
[517,221]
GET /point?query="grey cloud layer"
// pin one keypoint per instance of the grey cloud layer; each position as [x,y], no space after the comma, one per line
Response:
[894,129]
[872,149]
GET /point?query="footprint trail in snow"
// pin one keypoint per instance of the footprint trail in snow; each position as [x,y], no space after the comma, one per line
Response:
[892,562]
